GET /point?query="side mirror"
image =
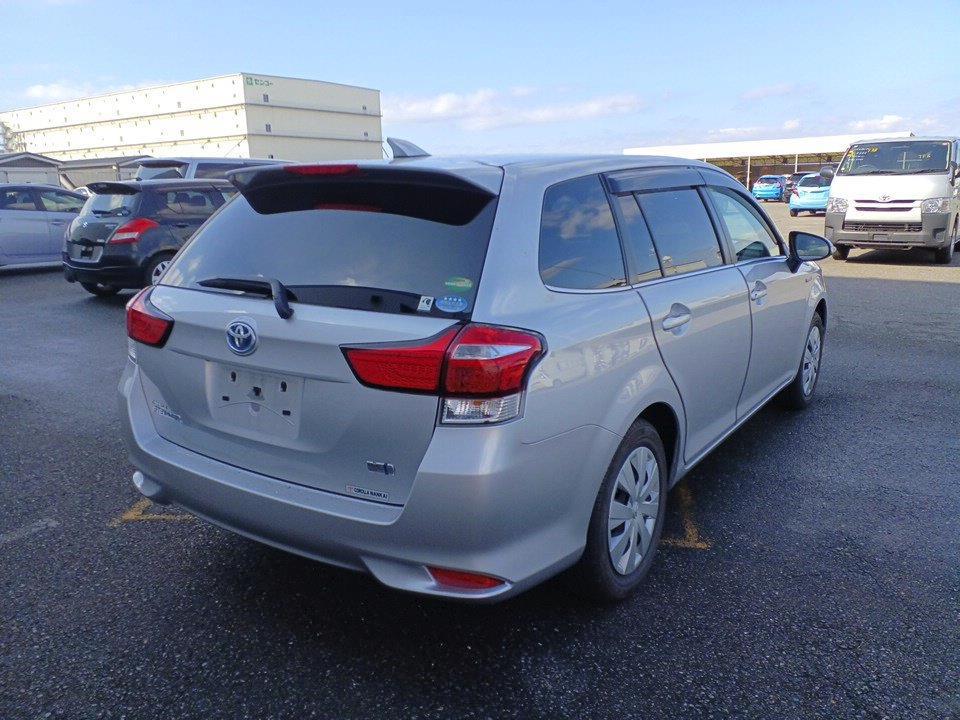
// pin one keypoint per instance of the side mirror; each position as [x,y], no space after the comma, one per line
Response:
[807,247]
[827,172]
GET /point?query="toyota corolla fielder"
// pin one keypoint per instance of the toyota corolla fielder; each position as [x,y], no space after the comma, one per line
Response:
[464,377]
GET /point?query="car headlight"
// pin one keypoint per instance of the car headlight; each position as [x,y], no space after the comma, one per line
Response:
[837,204]
[935,205]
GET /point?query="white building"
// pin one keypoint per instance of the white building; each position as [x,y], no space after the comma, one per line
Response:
[746,159]
[241,115]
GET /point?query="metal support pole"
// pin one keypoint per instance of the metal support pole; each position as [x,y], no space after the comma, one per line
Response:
[796,162]
[748,172]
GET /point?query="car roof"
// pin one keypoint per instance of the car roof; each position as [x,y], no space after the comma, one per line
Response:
[164,161]
[44,186]
[915,138]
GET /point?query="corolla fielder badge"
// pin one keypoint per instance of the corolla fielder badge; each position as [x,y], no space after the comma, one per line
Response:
[241,337]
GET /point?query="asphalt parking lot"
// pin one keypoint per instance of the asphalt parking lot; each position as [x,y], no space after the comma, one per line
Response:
[811,567]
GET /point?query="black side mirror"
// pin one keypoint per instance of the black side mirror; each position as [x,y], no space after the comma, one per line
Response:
[827,172]
[807,247]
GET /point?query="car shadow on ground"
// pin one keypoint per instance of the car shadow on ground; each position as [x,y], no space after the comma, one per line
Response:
[893,257]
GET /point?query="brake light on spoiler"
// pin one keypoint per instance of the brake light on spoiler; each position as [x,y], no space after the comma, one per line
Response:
[478,370]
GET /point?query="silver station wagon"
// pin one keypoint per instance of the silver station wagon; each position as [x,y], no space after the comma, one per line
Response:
[465,376]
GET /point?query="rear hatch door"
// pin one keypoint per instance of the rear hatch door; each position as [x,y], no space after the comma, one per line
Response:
[381,255]
[111,205]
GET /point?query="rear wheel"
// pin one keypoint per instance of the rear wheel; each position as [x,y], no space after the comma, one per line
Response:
[840,252]
[100,289]
[157,267]
[627,517]
[944,255]
[799,393]
[793,213]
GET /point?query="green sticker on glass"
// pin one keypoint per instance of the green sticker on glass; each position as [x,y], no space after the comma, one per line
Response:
[459,283]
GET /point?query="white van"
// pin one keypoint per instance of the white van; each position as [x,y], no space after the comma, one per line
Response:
[898,193]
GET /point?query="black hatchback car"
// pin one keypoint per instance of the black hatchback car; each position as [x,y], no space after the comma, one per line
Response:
[127,232]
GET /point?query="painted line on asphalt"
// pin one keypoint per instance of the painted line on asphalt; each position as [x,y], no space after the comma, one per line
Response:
[27,530]
[138,513]
[692,539]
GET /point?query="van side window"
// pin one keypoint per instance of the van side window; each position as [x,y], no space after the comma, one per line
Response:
[637,243]
[682,231]
[579,246]
[215,170]
[749,235]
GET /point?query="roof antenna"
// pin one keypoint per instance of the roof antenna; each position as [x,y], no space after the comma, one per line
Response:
[405,149]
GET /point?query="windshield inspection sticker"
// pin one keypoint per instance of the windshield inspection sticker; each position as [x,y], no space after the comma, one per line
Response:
[426,303]
[451,303]
[458,284]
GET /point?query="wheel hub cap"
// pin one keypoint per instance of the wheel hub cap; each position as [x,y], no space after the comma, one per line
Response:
[811,360]
[633,510]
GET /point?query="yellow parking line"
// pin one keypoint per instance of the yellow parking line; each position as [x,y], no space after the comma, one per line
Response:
[139,513]
[691,540]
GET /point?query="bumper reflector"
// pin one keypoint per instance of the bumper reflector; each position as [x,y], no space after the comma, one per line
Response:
[462,580]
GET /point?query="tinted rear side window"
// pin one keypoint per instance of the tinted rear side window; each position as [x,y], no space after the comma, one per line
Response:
[579,246]
[681,230]
[637,242]
[358,258]
[186,202]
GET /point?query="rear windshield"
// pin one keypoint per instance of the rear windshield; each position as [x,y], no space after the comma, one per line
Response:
[110,205]
[168,172]
[351,258]
[768,180]
[814,181]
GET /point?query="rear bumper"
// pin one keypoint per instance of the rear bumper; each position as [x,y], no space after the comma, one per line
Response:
[121,271]
[767,195]
[934,233]
[482,502]
[812,205]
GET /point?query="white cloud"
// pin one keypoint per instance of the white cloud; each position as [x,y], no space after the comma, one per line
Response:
[737,133]
[880,124]
[767,91]
[792,124]
[485,109]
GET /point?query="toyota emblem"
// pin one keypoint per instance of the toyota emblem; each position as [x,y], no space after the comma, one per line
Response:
[241,337]
[884,198]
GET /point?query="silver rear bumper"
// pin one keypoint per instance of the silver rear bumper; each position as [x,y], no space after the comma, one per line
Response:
[482,502]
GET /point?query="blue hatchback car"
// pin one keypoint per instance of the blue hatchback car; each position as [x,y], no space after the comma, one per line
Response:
[810,193]
[769,187]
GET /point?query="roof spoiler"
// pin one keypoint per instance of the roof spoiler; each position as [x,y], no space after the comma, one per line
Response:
[409,190]
[113,188]
[405,149]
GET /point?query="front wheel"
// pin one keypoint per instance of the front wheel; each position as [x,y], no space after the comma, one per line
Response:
[840,252]
[799,393]
[627,517]
[100,289]
[944,255]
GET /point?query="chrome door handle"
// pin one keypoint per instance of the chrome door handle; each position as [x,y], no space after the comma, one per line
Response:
[673,321]
[759,291]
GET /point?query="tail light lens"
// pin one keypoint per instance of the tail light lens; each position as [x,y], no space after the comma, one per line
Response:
[145,323]
[130,232]
[462,580]
[480,370]
[796,192]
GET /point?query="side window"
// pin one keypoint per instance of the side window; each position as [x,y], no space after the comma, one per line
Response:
[637,242]
[749,235]
[682,231]
[579,246]
[215,170]
[184,203]
[17,199]
[56,201]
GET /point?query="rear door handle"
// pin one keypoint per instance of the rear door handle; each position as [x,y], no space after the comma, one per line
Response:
[58,222]
[759,292]
[679,316]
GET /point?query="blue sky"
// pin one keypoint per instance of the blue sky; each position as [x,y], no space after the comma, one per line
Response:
[525,76]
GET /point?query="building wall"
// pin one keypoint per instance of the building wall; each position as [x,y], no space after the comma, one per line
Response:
[213,117]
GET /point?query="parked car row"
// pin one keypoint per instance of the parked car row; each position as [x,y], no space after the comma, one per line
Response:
[805,192]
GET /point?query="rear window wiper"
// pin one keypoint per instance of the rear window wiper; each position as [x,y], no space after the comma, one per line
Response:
[268,287]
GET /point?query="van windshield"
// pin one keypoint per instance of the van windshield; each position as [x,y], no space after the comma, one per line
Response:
[348,256]
[896,158]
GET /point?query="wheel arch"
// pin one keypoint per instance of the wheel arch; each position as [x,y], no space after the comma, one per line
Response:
[821,310]
[666,421]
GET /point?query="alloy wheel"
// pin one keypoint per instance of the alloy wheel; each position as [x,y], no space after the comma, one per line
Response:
[158,271]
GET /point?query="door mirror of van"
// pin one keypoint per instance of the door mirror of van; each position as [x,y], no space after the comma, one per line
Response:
[827,172]
[807,247]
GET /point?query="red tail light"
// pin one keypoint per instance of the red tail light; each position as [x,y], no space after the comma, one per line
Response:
[794,191]
[480,369]
[145,323]
[462,580]
[130,232]
[322,169]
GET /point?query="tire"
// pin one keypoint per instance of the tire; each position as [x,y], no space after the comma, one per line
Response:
[799,393]
[156,268]
[944,255]
[595,573]
[99,289]
[840,252]
[793,213]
